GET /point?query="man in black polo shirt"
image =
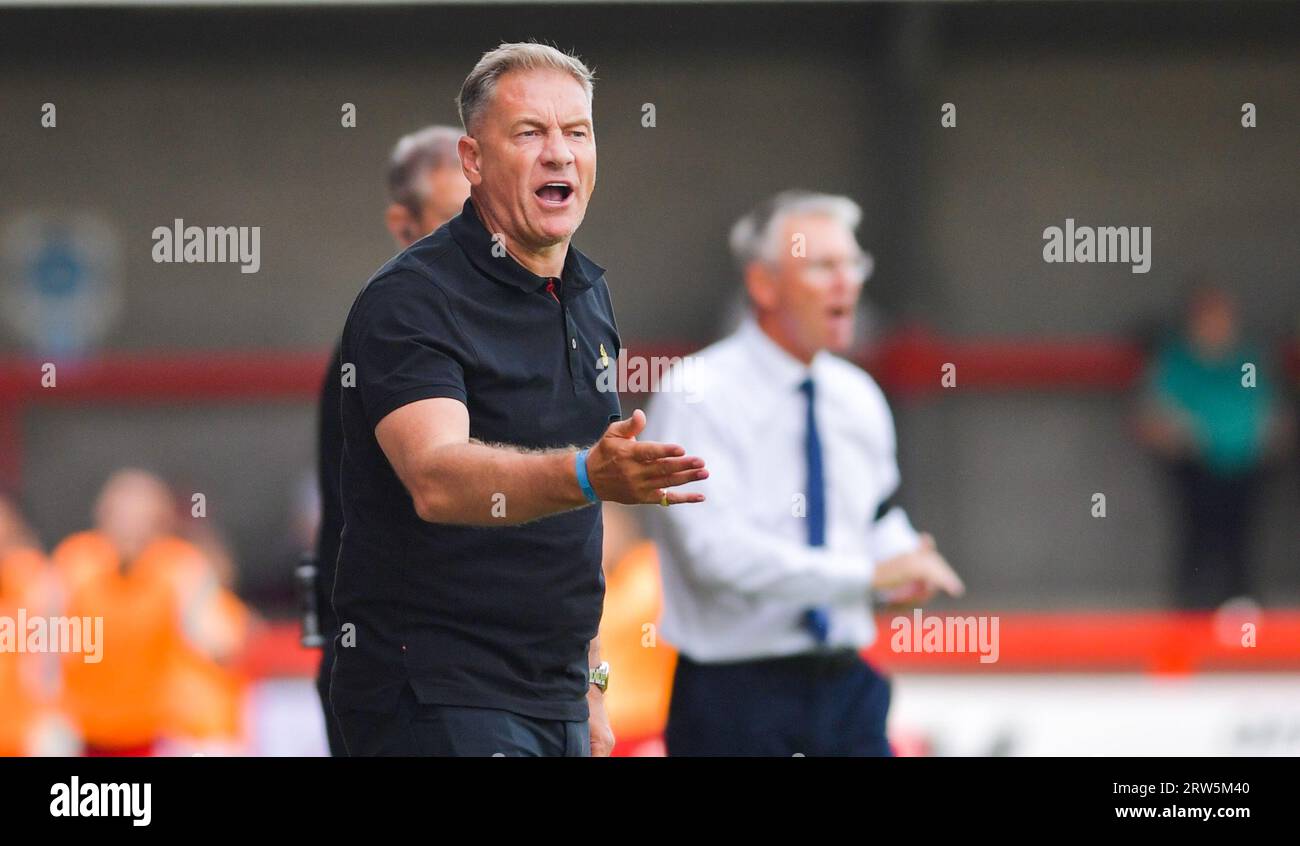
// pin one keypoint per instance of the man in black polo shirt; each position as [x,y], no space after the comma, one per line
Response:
[469,585]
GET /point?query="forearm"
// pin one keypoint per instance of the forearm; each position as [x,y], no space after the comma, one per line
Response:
[476,484]
[755,561]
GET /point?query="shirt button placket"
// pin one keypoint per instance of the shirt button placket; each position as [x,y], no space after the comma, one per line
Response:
[575,367]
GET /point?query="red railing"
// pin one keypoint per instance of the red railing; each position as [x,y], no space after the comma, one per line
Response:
[1163,642]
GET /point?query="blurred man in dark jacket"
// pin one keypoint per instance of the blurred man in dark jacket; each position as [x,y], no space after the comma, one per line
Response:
[426,188]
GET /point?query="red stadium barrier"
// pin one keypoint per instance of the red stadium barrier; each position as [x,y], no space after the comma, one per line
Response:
[908,364]
[1143,641]
[1065,642]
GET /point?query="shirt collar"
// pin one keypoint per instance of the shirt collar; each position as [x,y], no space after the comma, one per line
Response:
[471,235]
[775,366]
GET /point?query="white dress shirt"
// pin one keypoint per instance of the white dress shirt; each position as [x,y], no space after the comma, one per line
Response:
[737,569]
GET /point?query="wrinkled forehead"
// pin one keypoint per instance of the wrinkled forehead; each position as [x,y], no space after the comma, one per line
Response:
[543,94]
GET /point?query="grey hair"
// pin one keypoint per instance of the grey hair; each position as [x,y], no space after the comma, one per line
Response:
[431,148]
[477,90]
[755,237]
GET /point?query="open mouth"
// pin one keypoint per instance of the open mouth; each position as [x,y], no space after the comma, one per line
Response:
[554,193]
[839,311]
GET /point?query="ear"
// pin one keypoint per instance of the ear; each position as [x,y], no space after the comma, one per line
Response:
[469,152]
[400,225]
[762,286]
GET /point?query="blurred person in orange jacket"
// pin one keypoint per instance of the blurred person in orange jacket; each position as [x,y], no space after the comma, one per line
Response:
[638,705]
[207,693]
[29,724]
[165,617]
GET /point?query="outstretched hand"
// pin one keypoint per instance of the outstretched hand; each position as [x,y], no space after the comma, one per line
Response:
[914,577]
[623,469]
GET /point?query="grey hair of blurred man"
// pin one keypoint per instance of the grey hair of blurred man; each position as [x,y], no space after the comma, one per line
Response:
[757,236]
[425,185]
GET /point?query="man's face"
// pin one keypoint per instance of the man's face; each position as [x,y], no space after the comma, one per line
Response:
[813,296]
[133,509]
[536,157]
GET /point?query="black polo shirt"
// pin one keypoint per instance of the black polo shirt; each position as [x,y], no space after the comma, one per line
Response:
[496,616]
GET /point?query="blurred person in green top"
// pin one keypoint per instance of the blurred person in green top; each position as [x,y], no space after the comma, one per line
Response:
[1212,412]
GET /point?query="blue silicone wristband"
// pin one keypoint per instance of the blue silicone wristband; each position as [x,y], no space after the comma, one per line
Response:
[583,481]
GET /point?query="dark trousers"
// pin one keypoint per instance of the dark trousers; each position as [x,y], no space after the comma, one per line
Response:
[417,729]
[332,734]
[814,705]
[1215,553]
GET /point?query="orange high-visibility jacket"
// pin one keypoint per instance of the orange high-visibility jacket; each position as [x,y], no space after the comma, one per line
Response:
[25,690]
[641,665]
[154,679]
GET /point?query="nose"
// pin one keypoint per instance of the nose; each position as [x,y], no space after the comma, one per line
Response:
[556,153]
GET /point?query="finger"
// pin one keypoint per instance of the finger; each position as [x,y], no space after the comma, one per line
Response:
[629,428]
[947,580]
[927,540]
[652,451]
[683,477]
[668,466]
[678,497]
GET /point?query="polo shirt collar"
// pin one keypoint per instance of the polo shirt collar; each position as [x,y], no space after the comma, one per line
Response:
[579,272]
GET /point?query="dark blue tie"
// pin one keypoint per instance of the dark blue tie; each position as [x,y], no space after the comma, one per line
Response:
[817,620]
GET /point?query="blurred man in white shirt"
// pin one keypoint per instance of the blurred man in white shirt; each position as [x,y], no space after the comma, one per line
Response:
[768,584]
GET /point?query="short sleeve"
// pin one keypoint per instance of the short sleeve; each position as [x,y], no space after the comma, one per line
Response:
[406,345]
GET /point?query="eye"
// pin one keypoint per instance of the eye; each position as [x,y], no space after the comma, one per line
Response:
[529,132]
[581,133]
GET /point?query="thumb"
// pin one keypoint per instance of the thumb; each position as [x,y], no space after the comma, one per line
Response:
[628,428]
[927,541]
